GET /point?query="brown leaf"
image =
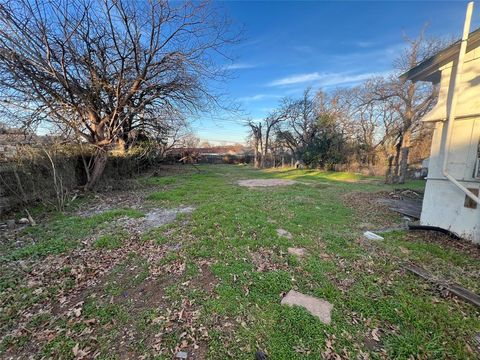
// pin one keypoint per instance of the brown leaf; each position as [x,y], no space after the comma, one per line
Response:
[77,312]
[75,349]
[375,333]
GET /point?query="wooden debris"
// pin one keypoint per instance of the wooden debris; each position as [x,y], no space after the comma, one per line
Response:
[408,207]
[454,289]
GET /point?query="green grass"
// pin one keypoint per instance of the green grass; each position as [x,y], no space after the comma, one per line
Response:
[111,241]
[234,229]
[230,223]
[63,232]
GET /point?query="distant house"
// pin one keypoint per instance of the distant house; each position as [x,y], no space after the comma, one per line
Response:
[222,150]
[222,154]
[453,182]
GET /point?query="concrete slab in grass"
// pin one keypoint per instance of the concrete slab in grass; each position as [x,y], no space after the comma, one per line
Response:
[320,308]
[265,182]
[284,233]
[298,252]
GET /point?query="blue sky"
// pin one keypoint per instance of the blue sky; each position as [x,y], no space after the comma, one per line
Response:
[290,45]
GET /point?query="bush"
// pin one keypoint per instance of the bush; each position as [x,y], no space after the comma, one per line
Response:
[49,174]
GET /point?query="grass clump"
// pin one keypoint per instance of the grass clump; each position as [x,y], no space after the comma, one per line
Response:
[110,241]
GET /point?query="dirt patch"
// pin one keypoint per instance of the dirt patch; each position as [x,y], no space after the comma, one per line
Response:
[117,199]
[205,280]
[153,219]
[265,182]
[149,293]
[76,276]
[298,252]
[174,169]
[371,344]
[316,184]
[268,260]
[197,352]
[141,284]
[370,213]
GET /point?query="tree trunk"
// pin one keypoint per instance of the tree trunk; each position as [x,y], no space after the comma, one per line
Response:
[265,148]
[403,164]
[396,162]
[389,175]
[98,167]
[256,160]
[404,152]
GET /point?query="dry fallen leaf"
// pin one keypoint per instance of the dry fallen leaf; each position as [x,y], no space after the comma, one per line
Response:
[375,333]
[75,349]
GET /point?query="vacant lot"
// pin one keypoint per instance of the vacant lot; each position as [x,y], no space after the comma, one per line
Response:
[104,281]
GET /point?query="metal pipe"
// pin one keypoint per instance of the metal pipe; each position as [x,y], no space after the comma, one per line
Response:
[457,75]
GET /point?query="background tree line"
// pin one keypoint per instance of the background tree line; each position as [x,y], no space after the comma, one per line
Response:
[377,123]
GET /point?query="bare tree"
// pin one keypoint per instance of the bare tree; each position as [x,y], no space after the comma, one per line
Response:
[261,135]
[371,123]
[301,125]
[271,121]
[257,141]
[411,101]
[189,150]
[104,69]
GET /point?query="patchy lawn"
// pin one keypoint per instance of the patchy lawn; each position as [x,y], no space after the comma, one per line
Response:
[101,281]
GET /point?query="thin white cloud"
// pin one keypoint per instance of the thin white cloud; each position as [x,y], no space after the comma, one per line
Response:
[296,79]
[324,79]
[258,97]
[239,66]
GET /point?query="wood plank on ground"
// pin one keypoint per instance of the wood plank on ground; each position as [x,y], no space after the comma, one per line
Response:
[411,208]
[454,289]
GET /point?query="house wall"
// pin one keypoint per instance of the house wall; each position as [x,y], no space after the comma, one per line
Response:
[444,204]
[468,99]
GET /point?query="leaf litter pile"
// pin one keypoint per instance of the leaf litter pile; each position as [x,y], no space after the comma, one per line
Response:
[46,302]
